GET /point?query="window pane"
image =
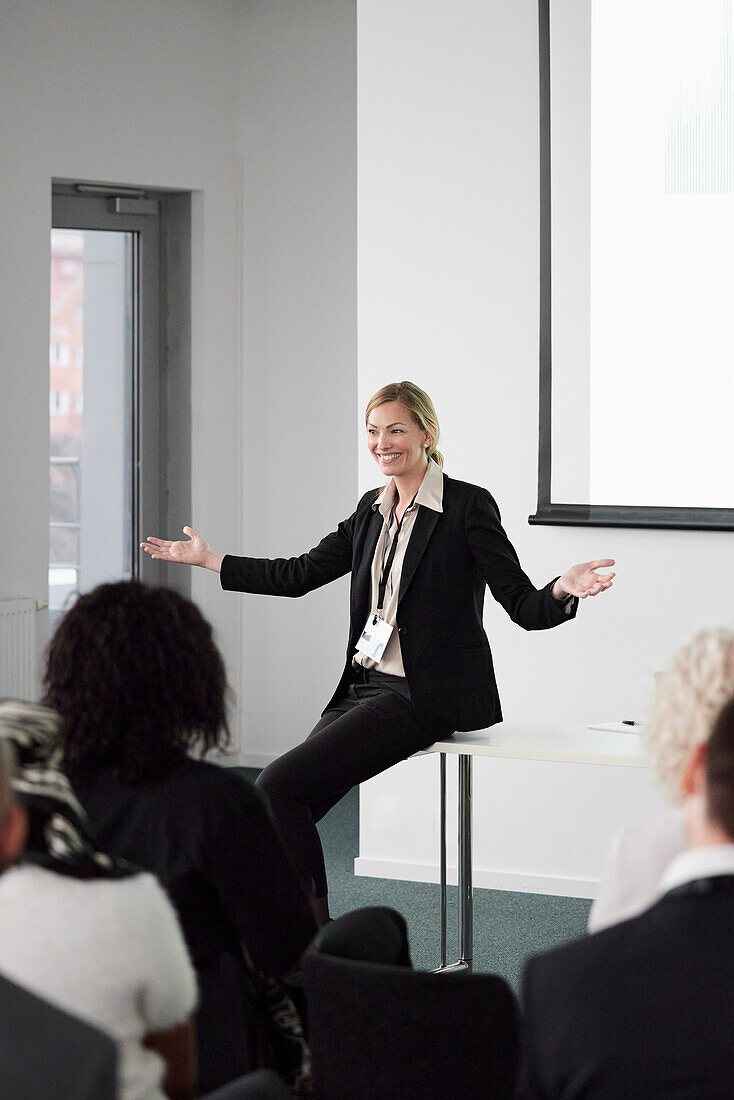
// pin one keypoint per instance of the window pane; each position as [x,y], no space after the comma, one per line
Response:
[90,404]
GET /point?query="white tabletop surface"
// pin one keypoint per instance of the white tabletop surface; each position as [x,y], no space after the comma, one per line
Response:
[567,743]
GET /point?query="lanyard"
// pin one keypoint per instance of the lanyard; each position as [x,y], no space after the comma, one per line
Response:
[386,566]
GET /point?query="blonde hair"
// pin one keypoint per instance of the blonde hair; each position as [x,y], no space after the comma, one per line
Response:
[418,404]
[687,700]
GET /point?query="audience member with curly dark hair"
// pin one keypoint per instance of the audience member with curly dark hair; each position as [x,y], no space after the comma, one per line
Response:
[137,677]
[139,683]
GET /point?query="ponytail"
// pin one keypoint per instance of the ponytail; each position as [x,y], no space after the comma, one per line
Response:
[432,452]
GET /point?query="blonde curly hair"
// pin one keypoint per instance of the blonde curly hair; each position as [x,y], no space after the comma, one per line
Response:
[687,700]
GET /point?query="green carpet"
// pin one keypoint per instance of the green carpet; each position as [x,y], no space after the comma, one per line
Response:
[508,927]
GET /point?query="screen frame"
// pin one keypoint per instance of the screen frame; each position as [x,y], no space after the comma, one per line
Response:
[548,512]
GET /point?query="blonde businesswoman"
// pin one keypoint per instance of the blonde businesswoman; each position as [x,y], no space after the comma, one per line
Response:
[418,663]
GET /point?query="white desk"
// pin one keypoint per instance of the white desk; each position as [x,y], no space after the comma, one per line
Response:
[570,743]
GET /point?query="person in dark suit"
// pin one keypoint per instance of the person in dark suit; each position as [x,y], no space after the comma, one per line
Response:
[418,664]
[646,1008]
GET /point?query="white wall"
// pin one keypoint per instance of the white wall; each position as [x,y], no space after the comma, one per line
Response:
[138,93]
[252,106]
[448,296]
[299,413]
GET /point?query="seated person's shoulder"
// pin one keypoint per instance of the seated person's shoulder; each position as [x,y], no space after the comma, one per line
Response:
[567,973]
[635,860]
[639,853]
[219,793]
[144,890]
[663,836]
[150,942]
[595,962]
[219,777]
[191,778]
[116,905]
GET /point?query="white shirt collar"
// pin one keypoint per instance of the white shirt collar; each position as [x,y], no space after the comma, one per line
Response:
[430,494]
[715,859]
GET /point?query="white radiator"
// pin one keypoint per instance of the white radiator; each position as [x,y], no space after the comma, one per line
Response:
[18,677]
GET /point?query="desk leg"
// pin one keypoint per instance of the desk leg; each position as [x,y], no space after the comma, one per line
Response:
[466,899]
[465,879]
[443,859]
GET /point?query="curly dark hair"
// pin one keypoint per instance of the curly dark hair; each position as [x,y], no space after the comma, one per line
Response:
[135,674]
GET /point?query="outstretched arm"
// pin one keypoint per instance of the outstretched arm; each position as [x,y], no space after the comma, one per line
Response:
[498,563]
[332,558]
[194,550]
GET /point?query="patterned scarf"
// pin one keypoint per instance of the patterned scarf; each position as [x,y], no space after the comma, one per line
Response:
[58,831]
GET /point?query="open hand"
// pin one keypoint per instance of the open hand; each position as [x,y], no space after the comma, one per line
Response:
[583,580]
[194,550]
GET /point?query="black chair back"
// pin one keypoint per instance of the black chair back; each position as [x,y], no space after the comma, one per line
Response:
[374,934]
[263,1084]
[45,1052]
[390,1033]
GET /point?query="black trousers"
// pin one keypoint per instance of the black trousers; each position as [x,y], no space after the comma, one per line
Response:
[368,730]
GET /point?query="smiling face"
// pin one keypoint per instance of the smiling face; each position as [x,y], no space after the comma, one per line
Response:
[396,443]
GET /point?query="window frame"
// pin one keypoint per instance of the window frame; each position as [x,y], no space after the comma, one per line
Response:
[160,470]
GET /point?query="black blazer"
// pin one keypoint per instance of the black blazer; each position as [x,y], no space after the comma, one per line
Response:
[643,1009]
[450,558]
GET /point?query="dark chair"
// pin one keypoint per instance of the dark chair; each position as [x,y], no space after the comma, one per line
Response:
[390,1033]
[45,1052]
[372,934]
[263,1084]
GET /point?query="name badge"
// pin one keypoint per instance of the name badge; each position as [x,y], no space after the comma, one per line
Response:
[374,638]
